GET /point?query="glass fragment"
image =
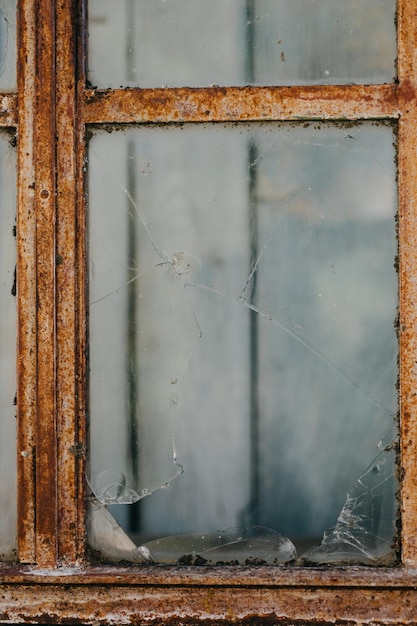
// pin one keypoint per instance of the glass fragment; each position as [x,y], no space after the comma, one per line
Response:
[239,42]
[234,546]
[365,530]
[107,539]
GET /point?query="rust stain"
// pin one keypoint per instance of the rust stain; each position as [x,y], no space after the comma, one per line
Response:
[407,232]
[44,171]
[70,152]
[51,494]
[240,103]
[210,577]
[407,91]
[54,109]
[8,110]
[76,604]
[26,276]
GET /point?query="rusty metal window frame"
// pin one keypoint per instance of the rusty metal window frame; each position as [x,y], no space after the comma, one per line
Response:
[51,112]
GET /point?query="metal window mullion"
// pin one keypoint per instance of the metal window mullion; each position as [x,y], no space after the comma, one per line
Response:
[51,323]
[71,387]
[26,276]
[45,207]
[407,185]
[37,459]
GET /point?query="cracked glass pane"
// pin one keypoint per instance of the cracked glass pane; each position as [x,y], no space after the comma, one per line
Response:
[8,349]
[7,45]
[243,353]
[239,42]
[364,529]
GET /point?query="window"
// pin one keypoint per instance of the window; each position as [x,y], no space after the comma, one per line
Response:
[55,114]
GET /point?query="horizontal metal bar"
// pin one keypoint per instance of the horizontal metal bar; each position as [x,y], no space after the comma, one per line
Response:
[243,103]
[232,576]
[161,605]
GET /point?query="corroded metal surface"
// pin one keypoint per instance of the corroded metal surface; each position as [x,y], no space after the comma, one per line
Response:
[355,577]
[45,196]
[241,103]
[8,110]
[407,180]
[51,469]
[71,454]
[55,604]
[53,111]
[407,330]
[26,277]
[132,595]
[66,286]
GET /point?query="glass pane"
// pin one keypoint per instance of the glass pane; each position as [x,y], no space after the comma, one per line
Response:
[8,350]
[7,45]
[274,42]
[243,354]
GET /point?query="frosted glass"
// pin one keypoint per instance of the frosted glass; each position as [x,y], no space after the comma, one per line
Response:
[177,43]
[243,355]
[7,45]
[8,351]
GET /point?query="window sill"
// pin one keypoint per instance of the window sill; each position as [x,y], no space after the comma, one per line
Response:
[206,594]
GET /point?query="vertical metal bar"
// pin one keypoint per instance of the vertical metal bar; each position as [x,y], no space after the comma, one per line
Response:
[70,150]
[45,195]
[26,278]
[37,508]
[50,509]
[407,180]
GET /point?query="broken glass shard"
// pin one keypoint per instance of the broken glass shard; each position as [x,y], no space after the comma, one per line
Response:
[143,455]
[108,540]
[242,286]
[234,546]
[110,488]
[365,530]
[240,42]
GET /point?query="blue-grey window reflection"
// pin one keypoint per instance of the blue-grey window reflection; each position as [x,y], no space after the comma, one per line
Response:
[243,297]
[176,43]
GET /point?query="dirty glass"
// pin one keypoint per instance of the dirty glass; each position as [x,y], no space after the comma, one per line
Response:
[243,351]
[8,350]
[174,43]
[7,45]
